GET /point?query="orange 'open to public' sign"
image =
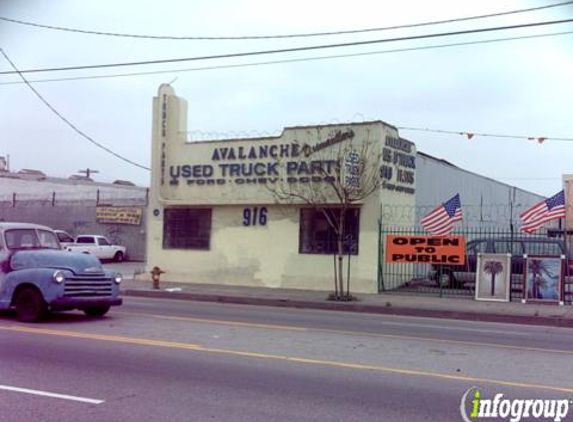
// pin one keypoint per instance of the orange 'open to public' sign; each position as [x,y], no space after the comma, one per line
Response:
[426,249]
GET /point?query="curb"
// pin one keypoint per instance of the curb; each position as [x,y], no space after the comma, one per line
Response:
[387,309]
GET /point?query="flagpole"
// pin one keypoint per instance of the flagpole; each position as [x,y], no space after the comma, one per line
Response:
[566,250]
[511,231]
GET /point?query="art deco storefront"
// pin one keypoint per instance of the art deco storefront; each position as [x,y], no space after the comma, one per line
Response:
[236,212]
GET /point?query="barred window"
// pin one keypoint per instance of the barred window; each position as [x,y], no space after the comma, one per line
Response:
[317,236]
[187,228]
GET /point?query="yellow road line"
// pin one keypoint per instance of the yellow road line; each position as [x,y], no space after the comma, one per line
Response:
[116,339]
[347,332]
[356,366]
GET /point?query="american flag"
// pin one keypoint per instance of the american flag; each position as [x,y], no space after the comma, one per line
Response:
[440,221]
[536,216]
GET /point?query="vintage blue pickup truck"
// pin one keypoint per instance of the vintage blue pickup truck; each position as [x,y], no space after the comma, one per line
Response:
[37,276]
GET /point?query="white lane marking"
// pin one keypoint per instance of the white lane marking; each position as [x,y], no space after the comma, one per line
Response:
[48,394]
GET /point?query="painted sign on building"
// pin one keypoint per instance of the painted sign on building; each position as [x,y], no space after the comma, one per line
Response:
[399,165]
[315,160]
[350,172]
[292,162]
[119,215]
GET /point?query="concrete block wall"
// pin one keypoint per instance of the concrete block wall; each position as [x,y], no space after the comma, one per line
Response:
[79,218]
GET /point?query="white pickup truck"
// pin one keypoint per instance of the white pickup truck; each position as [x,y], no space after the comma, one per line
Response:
[98,246]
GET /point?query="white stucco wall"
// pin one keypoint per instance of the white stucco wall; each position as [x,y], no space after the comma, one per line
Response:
[264,255]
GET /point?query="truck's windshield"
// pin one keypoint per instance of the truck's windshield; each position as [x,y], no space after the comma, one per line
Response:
[30,239]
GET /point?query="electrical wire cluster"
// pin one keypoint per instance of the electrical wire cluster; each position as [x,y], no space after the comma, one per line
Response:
[293,49]
[210,135]
[281,36]
[279,51]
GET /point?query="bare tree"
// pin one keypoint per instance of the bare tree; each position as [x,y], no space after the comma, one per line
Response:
[340,177]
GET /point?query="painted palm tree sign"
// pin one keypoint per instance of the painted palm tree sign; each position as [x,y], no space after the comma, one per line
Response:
[543,278]
[493,277]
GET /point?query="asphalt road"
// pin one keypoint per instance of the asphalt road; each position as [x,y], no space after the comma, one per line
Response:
[167,360]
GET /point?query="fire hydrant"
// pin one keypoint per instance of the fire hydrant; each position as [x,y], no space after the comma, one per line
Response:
[155,274]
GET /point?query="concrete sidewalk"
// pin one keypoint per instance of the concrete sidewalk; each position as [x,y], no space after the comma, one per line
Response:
[385,303]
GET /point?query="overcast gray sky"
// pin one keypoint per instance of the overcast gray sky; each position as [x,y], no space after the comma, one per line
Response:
[521,87]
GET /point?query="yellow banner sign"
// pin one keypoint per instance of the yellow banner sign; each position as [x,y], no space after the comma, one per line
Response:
[119,215]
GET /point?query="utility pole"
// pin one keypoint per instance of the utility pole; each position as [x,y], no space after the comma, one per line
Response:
[88,172]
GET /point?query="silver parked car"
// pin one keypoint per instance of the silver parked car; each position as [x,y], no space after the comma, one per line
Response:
[518,247]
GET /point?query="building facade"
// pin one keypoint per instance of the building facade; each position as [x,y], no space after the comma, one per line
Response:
[252,211]
[257,212]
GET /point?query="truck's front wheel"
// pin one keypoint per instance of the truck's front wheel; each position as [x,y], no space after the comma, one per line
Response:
[118,257]
[30,305]
[96,311]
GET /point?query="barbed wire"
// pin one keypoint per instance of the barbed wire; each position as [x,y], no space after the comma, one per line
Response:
[212,135]
[294,60]
[497,214]
[101,195]
[198,134]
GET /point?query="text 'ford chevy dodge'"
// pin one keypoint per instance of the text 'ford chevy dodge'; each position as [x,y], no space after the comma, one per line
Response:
[37,276]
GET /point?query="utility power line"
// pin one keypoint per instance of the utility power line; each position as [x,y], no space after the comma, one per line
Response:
[282,36]
[290,50]
[470,135]
[304,59]
[88,172]
[214,135]
[277,132]
[66,121]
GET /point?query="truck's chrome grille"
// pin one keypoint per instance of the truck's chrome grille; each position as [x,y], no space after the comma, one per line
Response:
[88,286]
